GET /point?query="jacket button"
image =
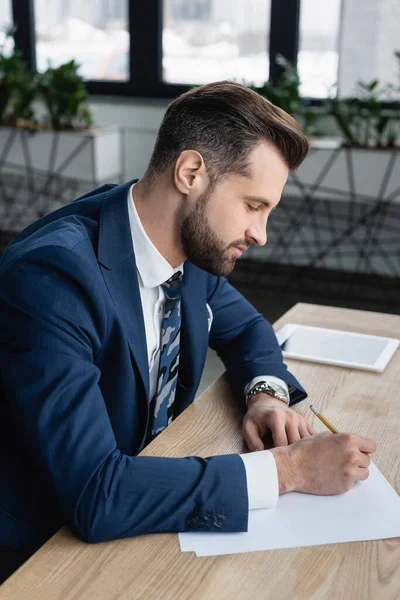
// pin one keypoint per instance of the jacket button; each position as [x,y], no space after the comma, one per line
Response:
[219,521]
[195,521]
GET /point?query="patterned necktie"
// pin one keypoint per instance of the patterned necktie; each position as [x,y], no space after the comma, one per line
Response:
[161,406]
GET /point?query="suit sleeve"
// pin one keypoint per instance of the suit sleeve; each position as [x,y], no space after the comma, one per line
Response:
[53,322]
[245,341]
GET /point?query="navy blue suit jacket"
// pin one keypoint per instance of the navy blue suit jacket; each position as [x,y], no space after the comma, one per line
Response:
[75,384]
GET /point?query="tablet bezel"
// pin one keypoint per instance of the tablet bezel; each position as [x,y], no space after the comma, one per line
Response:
[379,366]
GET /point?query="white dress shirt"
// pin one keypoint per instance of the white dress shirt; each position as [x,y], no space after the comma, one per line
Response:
[153,270]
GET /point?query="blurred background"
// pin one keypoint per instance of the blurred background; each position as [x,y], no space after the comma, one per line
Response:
[335,66]
[340,41]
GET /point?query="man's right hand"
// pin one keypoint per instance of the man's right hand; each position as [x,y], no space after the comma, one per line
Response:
[324,464]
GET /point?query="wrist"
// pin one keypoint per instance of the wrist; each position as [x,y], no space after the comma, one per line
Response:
[287,472]
[261,396]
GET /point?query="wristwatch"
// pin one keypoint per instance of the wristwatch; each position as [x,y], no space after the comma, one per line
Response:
[273,389]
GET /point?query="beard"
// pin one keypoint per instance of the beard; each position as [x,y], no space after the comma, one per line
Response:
[201,244]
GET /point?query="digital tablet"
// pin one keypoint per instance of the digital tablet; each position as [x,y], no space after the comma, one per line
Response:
[335,347]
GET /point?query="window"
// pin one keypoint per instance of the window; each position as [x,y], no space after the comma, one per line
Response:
[318,56]
[209,40]
[345,41]
[368,39]
[159,48]
[5,22]
[184,10]
[93,33]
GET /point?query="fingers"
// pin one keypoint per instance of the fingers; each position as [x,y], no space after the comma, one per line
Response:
[310,429]
[363,444]
[362,474]
[292,433]
[279,434]
[304,430]
[364,461]
[286,426]
[251,434]
[366,445]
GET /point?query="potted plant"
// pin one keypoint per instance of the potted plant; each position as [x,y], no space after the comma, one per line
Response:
[64,143]
[17,89]
[363,120]
[337,206]
[363,164]
[286,94]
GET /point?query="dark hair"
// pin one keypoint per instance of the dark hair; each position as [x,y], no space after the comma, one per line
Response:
[224,121]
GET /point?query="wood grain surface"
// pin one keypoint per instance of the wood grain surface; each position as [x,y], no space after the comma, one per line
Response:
[152,566]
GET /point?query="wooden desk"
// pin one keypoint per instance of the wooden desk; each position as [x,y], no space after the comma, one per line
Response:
[153,567]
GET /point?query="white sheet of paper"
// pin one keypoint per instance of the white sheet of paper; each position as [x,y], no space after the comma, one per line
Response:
[369,511]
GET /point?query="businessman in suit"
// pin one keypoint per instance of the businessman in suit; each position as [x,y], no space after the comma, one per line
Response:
[107,307]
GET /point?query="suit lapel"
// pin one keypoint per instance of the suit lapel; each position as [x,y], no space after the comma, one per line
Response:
[117,259]
[194,337]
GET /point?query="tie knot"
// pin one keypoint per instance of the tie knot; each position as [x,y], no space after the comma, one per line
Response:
[172,287]
[175,280]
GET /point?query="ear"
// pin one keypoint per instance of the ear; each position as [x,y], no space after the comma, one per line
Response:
[190,173]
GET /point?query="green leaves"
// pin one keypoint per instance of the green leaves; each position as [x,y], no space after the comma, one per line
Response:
[365,121]
[61,88]
[17,88]
[65,97]
[286,94]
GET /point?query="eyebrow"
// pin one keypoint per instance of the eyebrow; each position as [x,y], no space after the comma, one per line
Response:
[260,200]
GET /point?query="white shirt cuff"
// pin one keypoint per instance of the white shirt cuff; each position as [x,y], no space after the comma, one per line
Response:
[262,479]
[267,378]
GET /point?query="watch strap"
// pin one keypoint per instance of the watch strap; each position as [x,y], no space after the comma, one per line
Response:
[274,390]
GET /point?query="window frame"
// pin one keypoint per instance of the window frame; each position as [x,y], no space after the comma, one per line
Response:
[145,26]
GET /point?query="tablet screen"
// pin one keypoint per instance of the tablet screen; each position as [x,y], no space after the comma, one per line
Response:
[334,345]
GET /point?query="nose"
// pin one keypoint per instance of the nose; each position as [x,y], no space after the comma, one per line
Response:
[257,234]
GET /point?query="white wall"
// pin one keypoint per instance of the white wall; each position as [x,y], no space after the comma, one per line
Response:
[139,121]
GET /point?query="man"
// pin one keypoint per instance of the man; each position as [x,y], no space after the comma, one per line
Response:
[107,307]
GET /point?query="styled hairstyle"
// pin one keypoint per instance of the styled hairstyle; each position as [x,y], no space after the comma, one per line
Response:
[223,121]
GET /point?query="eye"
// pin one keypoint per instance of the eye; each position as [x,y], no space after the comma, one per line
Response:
[253,208]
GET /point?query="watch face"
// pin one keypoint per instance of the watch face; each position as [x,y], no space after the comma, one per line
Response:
[277,389]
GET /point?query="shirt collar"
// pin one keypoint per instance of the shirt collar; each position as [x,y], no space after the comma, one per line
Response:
[152,267]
